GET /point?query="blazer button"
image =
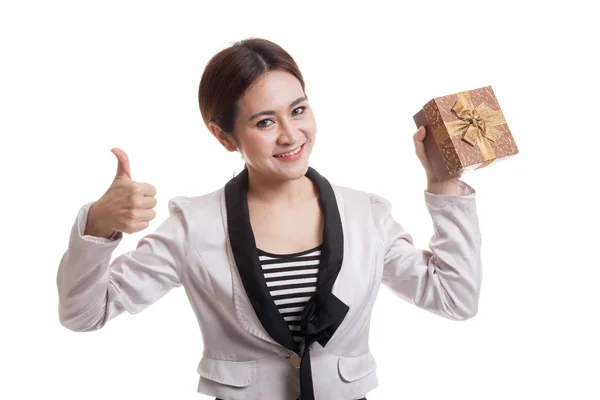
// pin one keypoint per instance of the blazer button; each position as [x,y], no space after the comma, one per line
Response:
[295,360]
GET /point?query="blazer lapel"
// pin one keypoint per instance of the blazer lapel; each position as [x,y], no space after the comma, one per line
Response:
[243,246]
[324,312]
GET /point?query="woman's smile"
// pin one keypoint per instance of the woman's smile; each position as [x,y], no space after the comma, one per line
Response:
[291,156]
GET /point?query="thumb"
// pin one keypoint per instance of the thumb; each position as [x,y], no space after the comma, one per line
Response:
[123,169]
[419,136]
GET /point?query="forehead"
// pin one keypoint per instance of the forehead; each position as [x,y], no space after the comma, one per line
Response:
[275,89]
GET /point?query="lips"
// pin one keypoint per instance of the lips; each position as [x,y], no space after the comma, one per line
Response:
[291,158]
[289,152]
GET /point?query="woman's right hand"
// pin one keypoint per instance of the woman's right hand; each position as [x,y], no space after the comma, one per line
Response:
[127,206]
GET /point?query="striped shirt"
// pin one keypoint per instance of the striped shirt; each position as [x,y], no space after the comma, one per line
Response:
[292,280]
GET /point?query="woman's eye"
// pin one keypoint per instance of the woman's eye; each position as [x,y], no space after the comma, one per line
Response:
[301,107]
[261,125]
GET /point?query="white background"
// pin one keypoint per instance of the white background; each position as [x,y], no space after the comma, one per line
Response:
[78,78]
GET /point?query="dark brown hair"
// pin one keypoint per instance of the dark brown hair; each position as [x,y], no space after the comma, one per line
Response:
[231,71]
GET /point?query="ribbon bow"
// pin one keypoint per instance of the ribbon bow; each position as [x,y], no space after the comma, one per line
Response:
[320,320]
[476,125]
[476,121]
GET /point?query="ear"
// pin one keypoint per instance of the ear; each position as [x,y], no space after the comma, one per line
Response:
[223,138]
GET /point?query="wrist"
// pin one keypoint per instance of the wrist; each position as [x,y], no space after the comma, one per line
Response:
[93,226]
[443,188]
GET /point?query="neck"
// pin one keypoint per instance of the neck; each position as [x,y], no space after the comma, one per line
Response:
[283,192]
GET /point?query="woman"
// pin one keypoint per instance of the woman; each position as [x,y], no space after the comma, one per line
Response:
[281,267]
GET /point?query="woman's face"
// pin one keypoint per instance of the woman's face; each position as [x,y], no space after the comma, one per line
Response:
[275,118]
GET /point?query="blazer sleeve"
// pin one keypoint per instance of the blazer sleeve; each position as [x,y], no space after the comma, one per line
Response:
[446,278]
[92,290]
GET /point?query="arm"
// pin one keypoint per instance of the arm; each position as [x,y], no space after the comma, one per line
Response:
[92,290]
[447,278]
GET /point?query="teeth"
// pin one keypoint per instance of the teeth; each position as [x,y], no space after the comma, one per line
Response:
[290,154]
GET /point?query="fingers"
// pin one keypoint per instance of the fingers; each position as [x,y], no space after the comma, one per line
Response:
[146,215]
[147,202]
[146,189]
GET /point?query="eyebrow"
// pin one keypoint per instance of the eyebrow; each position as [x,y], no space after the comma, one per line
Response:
[292,104]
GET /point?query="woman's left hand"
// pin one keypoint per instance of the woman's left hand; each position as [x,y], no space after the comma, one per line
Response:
[448,186]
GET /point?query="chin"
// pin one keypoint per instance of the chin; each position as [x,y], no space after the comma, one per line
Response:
[295,171]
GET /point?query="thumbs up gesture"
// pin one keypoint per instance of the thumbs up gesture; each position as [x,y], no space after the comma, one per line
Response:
[127,206]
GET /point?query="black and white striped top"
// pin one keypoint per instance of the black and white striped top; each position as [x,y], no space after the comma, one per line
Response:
[292,280]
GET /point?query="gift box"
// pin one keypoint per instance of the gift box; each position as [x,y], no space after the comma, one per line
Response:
[465,131]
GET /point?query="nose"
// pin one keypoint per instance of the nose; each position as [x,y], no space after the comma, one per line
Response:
[286,134]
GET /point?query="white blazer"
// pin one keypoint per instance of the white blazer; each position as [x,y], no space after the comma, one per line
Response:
[206,245]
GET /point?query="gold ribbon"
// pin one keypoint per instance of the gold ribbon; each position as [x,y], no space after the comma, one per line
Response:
[476,125]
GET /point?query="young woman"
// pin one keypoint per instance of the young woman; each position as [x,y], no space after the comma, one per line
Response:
[281,267]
